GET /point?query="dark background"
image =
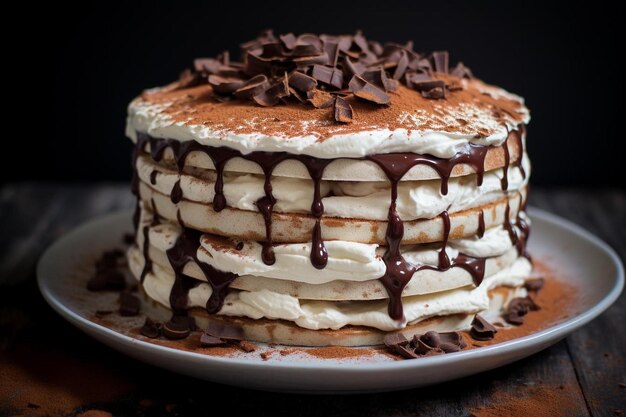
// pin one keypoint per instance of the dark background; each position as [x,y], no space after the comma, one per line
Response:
[554,57]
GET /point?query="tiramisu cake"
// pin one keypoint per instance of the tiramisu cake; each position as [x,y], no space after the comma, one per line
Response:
[329,190]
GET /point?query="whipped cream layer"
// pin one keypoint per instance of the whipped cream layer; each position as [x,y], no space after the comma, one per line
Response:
[347,261]
[344,199]
[318,315]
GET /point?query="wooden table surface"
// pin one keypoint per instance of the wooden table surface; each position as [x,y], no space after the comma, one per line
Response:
[587,369]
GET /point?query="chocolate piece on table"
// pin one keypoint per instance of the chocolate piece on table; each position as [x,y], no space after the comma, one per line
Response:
[482,329]
[393,339]
[225,331]
[207,340]
[518,308]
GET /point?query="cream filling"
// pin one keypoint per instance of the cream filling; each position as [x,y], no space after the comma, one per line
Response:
[335,315]
[361,200]
[347,261]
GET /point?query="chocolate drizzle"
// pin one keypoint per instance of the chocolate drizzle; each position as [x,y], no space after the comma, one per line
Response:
[481,224]
[177,193]
[444,260]
[395,165]
[147,265]
[505,169]
[398,271]
[473,265]
[319,255]
[184,251]
[519,139]
[153,176]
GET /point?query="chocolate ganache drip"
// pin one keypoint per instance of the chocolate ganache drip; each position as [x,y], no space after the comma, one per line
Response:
[184,251]
[395,165]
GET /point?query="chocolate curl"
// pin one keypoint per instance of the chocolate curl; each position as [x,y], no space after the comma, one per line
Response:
[343,111]
[322,65]
[367,91]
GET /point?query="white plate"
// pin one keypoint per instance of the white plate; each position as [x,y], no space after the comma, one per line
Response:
[590,263]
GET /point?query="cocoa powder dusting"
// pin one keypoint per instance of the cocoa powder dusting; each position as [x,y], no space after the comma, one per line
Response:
[407,109]
[339,352]
[557,300]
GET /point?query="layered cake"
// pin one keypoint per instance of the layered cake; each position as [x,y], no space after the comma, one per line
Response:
[329,190]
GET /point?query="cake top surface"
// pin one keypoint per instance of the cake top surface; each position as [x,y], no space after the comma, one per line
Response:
[347,98]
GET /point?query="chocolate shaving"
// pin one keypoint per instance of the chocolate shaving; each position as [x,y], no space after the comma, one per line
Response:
[225,331]
[393,339]
[434,89]
[407,352]
[129,304]
[435,92]
[302,82]
[218,334]
[379,78]
[403,64]
[272,50]
[272,95]
[461,71]
[332,50]
[482,329]
[206,340]
[343,110]
[252,87]
[367,91]
[225,85]
[430,343]
[305,61]
[179,327]
[353,68]
[440,61]
[289,40]
[534,284]
[518,308]
[306,50]
[151,328]
[327,75]
[317,69]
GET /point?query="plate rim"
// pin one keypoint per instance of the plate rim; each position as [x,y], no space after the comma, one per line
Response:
[523,343]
